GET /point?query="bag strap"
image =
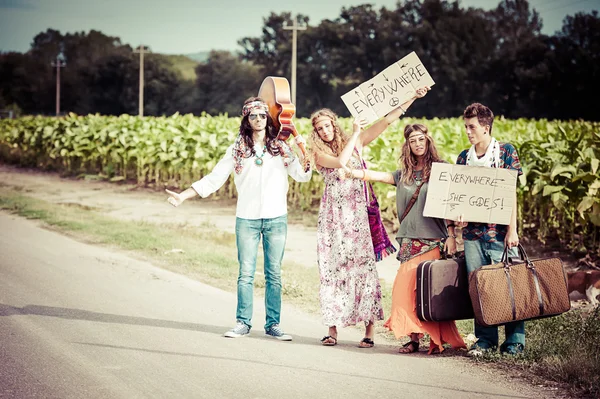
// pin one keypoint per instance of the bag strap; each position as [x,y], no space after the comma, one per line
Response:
[369,193]
[411,203]
[531,267]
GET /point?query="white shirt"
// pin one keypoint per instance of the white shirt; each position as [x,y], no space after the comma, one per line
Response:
[262,190]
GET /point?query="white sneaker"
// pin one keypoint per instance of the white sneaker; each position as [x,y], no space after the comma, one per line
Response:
[276,332]
[240,330]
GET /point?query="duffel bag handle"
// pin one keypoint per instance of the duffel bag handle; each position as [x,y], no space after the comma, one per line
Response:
[522,256]
[530,266]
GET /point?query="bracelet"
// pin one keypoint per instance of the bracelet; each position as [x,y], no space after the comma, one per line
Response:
[451,236]
[450,225]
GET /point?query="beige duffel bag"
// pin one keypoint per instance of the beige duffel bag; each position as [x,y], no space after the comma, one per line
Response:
[518,289]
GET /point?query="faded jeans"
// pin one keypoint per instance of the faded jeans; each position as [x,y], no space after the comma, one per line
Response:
[248,234]
[479,253]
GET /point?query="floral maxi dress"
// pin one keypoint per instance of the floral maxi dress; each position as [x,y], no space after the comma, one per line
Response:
[350,291]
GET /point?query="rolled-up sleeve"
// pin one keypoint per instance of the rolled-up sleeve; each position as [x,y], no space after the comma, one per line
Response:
[296,171]
[215,179]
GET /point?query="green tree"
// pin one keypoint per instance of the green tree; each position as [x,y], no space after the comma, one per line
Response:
[224,81]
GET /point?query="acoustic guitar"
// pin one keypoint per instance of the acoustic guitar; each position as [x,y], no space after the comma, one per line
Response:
[275,91]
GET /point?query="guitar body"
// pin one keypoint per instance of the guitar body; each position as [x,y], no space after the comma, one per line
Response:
[275,91]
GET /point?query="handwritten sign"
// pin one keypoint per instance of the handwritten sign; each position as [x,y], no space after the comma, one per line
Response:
[480,194]
[392,87]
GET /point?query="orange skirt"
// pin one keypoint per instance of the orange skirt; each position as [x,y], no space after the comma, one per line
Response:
[403,319]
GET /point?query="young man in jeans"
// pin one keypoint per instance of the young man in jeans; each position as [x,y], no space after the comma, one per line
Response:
[261,164]
[484,243]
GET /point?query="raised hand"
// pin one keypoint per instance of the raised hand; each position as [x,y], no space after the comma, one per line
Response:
[422,91]
[358,124]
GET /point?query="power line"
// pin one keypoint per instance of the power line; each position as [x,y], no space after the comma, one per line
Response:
[564,5]
[545,2]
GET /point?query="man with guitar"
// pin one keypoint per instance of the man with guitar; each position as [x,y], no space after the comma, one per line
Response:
[261,162]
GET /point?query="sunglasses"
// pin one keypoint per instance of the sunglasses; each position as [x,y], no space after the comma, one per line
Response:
[253,117]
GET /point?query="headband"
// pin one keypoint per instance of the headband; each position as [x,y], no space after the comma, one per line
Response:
[416,133]
[323,118]
[254,105]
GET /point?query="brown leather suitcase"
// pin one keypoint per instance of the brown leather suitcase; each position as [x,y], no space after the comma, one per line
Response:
[518,289]
[443,290]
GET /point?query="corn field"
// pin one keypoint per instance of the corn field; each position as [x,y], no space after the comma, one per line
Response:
[559,196]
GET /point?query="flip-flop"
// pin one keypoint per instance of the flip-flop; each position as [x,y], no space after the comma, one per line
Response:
[366,343]
[326,341]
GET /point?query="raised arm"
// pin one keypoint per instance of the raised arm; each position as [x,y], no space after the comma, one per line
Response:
[378,127]
[329,161]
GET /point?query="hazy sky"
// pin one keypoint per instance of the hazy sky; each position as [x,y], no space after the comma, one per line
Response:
[189,26]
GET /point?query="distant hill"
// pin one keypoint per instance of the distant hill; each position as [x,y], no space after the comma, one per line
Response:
[200,56]
[185,64]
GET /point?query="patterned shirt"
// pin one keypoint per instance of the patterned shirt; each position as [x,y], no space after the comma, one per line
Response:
[491,232]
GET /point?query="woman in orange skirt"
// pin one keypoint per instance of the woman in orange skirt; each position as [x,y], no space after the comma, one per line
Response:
[420,238]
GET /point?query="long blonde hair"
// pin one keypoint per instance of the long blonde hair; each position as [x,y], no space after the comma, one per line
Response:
[317,145]
[408,161]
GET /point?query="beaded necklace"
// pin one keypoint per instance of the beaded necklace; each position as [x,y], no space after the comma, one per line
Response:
[259,158]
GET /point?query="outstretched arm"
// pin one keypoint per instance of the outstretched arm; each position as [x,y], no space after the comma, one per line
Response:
[367,175]
[208,184]
[177,199]
[374,131]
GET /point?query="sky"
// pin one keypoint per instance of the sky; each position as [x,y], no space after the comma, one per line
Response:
[190,26]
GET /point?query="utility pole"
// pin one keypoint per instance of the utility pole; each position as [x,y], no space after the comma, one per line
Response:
[294,28]
[141,50]
[59,63]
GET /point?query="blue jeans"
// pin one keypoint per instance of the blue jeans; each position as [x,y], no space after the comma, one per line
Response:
[479,253]
[248,233]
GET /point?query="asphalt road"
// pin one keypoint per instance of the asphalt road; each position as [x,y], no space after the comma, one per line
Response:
[80,321]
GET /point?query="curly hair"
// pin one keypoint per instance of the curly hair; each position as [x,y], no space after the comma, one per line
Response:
[317,145]
[271,134]
[408,161]
[484,115]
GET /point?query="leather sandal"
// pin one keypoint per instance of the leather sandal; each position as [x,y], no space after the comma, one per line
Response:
[328,340]
[366,343]
[409,347]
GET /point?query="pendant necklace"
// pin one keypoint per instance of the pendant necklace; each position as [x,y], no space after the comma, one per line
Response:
[259,158]
[418,177]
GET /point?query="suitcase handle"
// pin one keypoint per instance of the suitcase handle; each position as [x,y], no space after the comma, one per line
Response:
[456,255]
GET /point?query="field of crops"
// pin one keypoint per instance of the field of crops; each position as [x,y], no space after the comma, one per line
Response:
[559,195]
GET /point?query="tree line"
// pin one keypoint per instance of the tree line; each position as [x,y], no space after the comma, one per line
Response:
[498,57]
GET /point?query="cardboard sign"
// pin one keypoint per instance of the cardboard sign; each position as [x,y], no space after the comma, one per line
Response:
[480,194]
[391,88]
